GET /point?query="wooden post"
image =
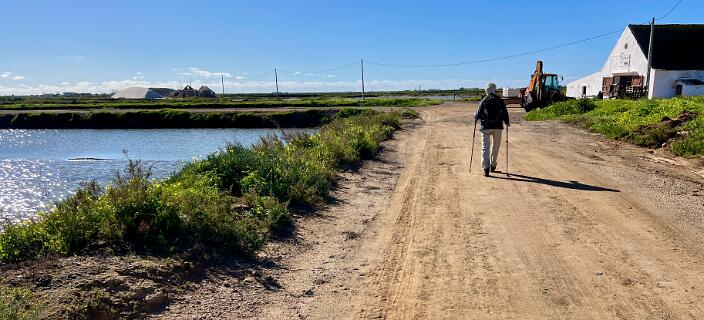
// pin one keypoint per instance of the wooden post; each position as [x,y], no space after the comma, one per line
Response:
[362,64]
[650,56]
[276,78]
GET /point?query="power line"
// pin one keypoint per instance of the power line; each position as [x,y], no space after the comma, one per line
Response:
[497,58]
[671,10]
[339,68]
[262,75]
[323,71]
[516,55]
[527,53]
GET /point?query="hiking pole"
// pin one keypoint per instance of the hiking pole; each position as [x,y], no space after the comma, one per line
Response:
[474,134]
[507,174]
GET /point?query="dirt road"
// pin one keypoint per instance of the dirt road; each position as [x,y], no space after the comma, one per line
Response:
[584,228]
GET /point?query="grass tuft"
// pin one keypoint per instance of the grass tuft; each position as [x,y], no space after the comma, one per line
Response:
[232,201]
[18,304]
[677,123]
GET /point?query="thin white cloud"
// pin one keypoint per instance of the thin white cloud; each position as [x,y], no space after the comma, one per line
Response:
[11,75]
[310,74]
[204,73]
[240,78]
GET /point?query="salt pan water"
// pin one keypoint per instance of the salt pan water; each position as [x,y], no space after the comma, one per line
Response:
[41,166]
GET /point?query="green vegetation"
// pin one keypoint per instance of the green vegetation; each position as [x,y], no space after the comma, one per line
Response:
[165,118]
[317,113]
[677,122]
[18,304]
[58,103]
[230,202]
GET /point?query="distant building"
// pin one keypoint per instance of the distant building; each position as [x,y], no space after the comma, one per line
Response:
[677,65]
[186,92]
[189,92]
[161,93]
[205,92]
[137,93]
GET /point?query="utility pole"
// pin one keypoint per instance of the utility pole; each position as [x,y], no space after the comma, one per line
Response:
[650,55]
[276,78]
[362,64]
[222,80]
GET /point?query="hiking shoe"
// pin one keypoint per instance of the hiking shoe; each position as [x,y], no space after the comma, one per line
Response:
[486,172]
[493,169]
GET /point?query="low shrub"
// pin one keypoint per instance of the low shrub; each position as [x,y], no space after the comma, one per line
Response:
[642,122]
[562,108]
[232,201]
[692,143]
[165,118]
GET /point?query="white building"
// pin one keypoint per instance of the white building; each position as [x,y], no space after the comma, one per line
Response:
[677,66]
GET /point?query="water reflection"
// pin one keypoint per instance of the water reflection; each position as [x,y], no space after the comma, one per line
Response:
[41,166]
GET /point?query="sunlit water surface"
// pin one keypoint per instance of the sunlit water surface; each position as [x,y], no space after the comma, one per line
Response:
[38,167]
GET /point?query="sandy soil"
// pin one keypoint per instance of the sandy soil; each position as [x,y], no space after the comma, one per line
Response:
[583,228]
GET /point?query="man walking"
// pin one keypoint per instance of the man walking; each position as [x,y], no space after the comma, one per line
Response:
[493,114]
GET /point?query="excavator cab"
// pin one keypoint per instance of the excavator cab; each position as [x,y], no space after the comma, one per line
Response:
[543,89]
[550,82]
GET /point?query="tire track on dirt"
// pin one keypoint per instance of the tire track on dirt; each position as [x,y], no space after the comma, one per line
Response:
[554,241]
[579,231]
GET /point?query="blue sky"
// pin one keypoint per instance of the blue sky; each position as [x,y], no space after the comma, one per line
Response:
[100,46]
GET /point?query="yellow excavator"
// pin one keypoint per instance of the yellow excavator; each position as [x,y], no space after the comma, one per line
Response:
[543,89]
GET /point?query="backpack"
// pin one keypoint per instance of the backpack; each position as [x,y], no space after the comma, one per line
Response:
[492,111]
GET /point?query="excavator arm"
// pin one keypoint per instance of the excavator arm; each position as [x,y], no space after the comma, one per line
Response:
[536,81]
[543,89]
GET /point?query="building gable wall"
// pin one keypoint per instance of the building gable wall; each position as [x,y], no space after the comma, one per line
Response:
[627,57]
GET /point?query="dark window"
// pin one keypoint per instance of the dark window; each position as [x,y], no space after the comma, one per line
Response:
[692,82]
